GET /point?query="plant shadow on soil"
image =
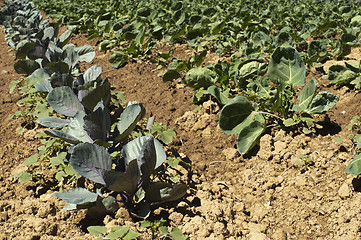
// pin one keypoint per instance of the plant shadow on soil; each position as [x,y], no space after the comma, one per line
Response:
[356,183]
[328,127]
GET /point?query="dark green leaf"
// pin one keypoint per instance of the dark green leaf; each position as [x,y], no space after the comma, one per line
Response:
[26,66]
[165,192]
[220,94]
[128,181]
[249,136]
[118,59]
[170,75]
[236,114]
[147,159]
[200,77]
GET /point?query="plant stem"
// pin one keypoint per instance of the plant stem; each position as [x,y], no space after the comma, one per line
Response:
[270,114]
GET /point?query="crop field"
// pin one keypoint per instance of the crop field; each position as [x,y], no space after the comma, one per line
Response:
[193,119]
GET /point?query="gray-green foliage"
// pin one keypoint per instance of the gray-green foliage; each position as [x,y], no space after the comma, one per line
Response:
[286,67]
[130,177]
[84,123]
[345,75]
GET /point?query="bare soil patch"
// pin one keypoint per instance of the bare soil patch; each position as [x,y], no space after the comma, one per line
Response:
[265,195]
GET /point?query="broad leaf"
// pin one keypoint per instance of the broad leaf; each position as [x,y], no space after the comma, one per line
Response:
[287,67]
[177,234]
[91,161]
[129,119]
[97,230]
[86,53]
[43,86]
[92,73]
[120,181]
[23,48]
[90,99]
[133,149]
[97,124]
[323,102]
[64,101]
[65,37]
[341,74]
[38,75]
[200,77]
[236,114]
[147,159]
[110,204]
[220,94]
[76,128]
[118,233]
[71,57]
[64,136]
[77,196]
[61,67]
[26,66]
[354,167]
[171,75]
[48,33]
[31,160]
[252,68]
[59,80]
[118,59]
[165,192]
[53,122]
[250,135]
[305,96]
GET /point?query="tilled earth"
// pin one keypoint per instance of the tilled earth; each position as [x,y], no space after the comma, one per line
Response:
[268,194]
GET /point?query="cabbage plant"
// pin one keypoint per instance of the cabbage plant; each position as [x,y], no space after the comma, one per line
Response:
[126,179]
